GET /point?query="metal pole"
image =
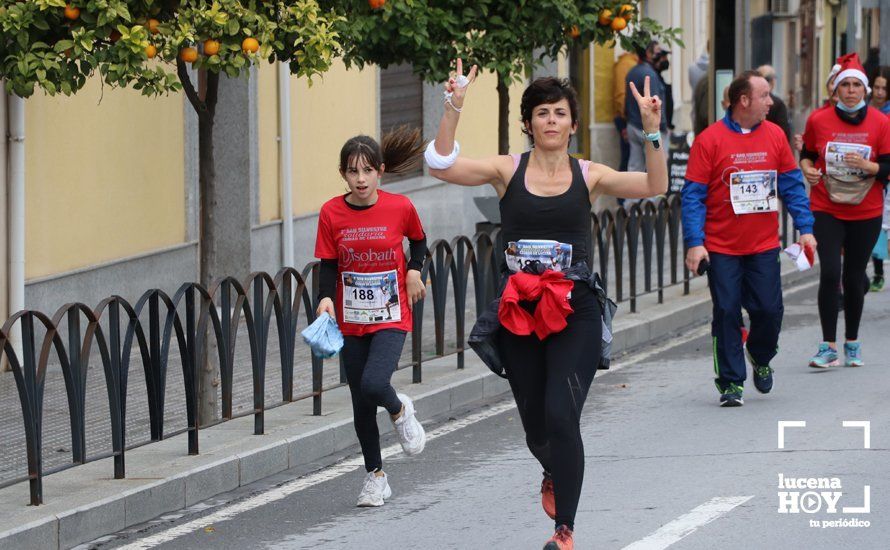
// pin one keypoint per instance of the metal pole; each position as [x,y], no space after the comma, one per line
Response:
[284,166]
[16,207]
[885,32]
[852,10]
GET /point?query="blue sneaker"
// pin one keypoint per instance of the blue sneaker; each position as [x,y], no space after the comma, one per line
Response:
[853,354]
[731,396]
[763,375]
[825,357]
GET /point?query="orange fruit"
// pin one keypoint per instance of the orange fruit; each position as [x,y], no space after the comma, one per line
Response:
[250,45]
[153,26]
[376,4]
[211,47]
[574,32]
[151,51]
[619,24]
[605,17]
[71,12]
[626,11]
[189,54]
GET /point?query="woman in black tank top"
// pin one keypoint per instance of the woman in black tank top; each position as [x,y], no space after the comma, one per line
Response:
[545,194]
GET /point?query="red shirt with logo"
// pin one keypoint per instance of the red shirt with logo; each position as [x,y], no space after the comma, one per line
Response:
[719,152]
[824,126]
[369,241]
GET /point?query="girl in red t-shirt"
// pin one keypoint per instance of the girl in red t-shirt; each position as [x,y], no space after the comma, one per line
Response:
[367,285]
[846,159]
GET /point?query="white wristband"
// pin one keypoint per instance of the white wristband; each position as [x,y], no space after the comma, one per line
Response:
[438,162]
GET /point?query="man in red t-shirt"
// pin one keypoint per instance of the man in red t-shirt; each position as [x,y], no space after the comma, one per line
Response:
[738,169]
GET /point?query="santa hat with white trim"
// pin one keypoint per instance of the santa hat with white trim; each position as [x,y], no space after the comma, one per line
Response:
[850,68]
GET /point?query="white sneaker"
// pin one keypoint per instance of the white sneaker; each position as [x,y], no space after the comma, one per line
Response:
[375,490]
[408,429]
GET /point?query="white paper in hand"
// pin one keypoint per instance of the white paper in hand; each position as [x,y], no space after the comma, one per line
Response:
[461,81]
[795,252]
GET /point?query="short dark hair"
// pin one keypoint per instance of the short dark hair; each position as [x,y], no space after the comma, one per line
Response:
[741,85]
[546,90]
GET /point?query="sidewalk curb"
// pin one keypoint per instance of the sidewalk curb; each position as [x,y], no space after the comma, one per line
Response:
[128,506]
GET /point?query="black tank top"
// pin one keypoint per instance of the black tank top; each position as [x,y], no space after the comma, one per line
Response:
[564,218]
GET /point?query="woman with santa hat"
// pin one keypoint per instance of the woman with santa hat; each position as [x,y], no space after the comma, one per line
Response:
[845,158]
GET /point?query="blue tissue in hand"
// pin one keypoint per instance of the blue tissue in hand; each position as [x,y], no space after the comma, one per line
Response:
[323,336]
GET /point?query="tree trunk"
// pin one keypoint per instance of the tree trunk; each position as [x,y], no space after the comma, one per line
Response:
[205,107]
[503,116]
[208,377]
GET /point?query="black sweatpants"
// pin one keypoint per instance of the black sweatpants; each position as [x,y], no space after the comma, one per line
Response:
[370,361]
[550,380]
[856,239]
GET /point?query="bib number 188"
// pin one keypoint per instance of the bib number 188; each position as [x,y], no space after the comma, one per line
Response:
[362,294]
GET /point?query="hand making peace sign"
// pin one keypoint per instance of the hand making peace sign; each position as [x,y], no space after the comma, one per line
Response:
[458,83]
[650,107]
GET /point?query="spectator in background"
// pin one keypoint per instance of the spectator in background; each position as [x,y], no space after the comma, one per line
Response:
[700,106]
[699,69]
[637,76]
[698,83]
[662,64]
[879,81]
[623,65]
[829,103]
[778,113]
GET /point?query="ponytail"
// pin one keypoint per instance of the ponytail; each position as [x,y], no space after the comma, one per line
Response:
[401,151]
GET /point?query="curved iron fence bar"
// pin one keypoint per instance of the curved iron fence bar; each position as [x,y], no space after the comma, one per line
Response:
[262,313]
[660,224]
[632,237]
[310,303]
[647,227]
[291,312]
[75,376]
[484,268]
[465,260]
[443,260]
[30,378]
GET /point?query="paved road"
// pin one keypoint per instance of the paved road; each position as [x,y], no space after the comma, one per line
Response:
[662,460]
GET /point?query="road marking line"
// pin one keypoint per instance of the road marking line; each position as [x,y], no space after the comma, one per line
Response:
[688,523]
[347,466]
[340,468]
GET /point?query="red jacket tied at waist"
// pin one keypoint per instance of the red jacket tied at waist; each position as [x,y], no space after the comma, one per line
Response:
[551,290]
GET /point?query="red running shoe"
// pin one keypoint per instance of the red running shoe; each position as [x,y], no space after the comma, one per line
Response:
[561,539]
[548,500]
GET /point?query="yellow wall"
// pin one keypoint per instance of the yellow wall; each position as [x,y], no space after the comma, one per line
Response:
[342,105]
[267,129]
[604,80]
[325,115]
[103,180]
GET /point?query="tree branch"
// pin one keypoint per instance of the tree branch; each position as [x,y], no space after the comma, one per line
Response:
[189,88]
[211,95]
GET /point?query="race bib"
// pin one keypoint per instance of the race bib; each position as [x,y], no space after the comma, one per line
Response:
[835,165]
[753,192]
[371,298]
[553,254]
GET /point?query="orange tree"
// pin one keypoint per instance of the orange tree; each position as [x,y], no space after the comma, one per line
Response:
[148,45]
[507,37]
[56,46]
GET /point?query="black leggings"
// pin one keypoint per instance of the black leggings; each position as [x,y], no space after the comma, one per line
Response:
[370,361]
[856,239]
[550,380]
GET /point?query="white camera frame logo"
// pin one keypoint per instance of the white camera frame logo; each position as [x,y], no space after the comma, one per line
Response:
[812,501]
